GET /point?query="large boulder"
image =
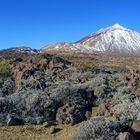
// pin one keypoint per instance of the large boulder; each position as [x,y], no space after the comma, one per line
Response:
[74,101]
[70,114]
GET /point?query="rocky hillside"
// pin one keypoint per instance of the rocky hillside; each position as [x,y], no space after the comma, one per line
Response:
[21,49]
[113,39]
[51,90]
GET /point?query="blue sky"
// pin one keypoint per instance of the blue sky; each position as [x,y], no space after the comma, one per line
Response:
[36,23]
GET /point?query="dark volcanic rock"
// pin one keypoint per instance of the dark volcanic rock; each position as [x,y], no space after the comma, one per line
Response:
[12,120]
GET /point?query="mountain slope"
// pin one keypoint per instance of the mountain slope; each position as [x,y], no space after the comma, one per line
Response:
[21,49]
[113,39]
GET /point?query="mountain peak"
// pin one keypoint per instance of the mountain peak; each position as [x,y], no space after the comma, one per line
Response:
[112,39]
[117,26]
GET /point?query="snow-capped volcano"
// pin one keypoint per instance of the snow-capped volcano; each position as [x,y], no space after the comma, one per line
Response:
[113,39]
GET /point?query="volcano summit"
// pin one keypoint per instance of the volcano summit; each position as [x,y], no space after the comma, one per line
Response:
[113,39]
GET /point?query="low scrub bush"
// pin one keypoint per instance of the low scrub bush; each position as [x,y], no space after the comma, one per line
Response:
[87,67]
[126,110]
[8,87]
[102,88]
[98,128]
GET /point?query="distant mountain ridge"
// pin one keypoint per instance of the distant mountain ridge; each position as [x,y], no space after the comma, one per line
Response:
[21,49]
[113,39]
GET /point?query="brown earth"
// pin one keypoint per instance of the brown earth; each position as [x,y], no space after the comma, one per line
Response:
[63,132]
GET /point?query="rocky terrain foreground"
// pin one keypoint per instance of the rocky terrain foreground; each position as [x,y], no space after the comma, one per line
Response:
[69,97]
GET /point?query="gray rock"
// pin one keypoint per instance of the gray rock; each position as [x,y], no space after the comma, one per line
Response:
[125,136]
[52,130]
[88,115]
[136,126]
[49,123]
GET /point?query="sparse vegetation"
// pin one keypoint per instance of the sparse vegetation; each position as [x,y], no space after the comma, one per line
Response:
[48,88]
[5,71]
[86,67]
[99,128]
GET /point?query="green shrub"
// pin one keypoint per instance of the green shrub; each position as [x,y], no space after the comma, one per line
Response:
[5,71]
[101,89]
[86,67]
